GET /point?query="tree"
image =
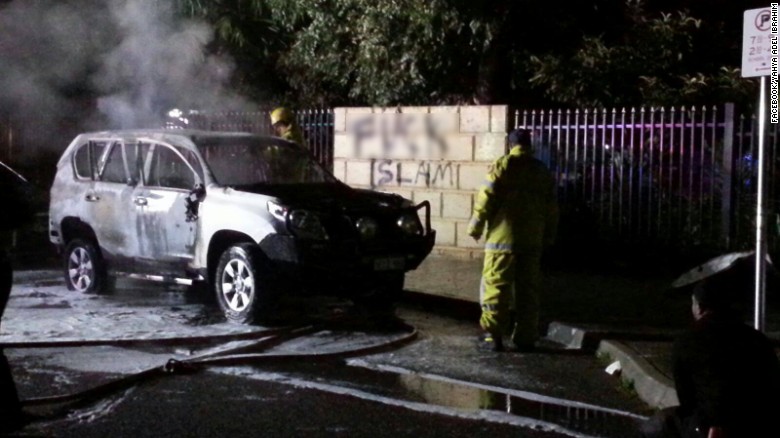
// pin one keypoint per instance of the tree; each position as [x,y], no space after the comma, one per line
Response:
[372,53]
[407,52]
[660,60]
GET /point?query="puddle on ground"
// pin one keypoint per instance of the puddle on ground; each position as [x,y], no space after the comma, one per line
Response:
[581,418]
[585,419]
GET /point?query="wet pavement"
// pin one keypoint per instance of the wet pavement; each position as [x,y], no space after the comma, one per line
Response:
[435,384]
[243,405]
[344,373]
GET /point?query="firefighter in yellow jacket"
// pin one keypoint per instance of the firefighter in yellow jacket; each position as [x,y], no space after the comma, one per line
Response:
[517,204]
[285,126]
[291,168]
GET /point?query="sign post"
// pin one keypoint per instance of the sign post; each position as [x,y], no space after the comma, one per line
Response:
[760,58]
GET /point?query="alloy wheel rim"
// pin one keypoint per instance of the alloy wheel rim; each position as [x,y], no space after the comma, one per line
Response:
[238,285]
[80,269]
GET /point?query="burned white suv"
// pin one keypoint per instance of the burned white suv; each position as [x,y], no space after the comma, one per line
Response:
[251,216]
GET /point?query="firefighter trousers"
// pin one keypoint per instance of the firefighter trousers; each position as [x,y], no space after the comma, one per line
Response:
[510,284]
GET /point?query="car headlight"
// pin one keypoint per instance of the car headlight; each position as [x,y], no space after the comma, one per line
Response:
[409,224]
[307,225]
[367,227]
[302,223]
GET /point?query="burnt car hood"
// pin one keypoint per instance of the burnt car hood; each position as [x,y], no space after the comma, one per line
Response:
[326,196]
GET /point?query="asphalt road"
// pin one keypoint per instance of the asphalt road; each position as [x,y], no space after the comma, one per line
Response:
[438,385]
[221,405]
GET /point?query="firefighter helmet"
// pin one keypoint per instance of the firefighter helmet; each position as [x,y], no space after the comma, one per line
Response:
[282,115]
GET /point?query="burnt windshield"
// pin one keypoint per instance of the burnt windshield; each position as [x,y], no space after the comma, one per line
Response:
[251,161]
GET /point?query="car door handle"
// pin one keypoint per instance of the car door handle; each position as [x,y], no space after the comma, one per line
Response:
[92,198]
[141,201]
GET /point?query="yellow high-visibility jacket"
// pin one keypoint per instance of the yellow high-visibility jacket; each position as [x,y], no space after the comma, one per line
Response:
[518,204]
[294,134]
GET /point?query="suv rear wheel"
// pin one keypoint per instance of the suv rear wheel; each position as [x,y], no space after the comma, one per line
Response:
[241,284]
[85,270]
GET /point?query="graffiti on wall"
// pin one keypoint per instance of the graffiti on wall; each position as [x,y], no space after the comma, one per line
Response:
[425,173]
[414,135]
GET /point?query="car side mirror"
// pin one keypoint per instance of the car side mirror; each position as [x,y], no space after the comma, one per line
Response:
[193,200]
[198,192]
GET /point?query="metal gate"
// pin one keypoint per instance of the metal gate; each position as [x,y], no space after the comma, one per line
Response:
[669,176]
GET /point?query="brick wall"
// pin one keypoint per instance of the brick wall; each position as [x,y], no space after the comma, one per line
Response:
[438,154]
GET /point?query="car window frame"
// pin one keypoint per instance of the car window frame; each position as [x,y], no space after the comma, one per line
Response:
[145,162]
[207,143]
[123,156]
[93,159]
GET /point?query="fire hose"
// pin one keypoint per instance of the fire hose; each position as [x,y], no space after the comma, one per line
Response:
[242,355]
[254,354]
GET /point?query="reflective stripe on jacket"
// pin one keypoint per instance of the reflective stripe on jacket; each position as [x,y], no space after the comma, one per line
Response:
[517,203]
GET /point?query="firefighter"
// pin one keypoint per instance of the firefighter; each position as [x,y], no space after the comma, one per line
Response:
[517,205]
[285,126]
[288,166]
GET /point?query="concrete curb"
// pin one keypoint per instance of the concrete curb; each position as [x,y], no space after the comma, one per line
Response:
[588,336]
[575,337]
[651,386]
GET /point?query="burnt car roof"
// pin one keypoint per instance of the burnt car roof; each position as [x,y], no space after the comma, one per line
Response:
[172,133]
[169,135]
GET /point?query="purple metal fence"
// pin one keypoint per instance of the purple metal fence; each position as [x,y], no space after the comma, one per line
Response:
[317,125]
[745,179]
[651,175]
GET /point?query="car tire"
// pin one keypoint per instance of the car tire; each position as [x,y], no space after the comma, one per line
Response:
[241,284]
[85,270]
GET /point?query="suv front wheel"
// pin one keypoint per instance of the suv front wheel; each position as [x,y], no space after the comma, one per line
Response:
[85,270]
[242,291]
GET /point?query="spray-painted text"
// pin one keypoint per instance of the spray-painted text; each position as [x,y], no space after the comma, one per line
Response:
[413,173]
[411,135]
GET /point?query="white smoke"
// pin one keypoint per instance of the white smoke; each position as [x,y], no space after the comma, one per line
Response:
[160,62]
[69,65]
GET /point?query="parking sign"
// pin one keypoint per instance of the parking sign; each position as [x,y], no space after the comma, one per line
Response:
[756,45]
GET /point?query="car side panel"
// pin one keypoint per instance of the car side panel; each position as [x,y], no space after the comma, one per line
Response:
[104,207]
[113,216]
[64,191]
[232,210]
[167,240]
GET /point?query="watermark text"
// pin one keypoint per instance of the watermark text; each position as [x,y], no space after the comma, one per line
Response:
[774,109]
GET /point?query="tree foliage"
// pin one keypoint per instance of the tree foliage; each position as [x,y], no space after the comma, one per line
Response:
[655,62]
[407,52]
[363,50]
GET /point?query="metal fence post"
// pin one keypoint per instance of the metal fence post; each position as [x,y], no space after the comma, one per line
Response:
[727,170]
